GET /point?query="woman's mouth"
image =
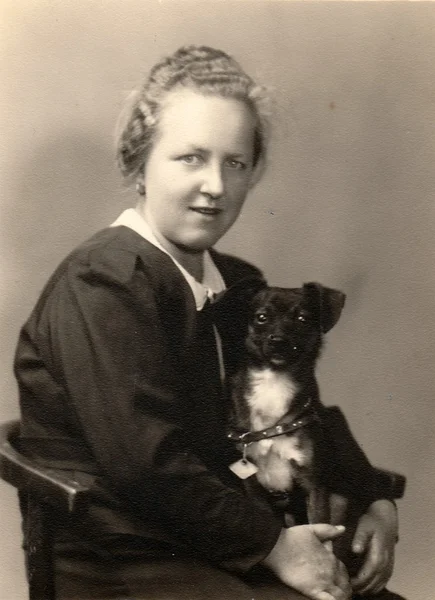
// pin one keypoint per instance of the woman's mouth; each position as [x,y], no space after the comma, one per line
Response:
[205,210]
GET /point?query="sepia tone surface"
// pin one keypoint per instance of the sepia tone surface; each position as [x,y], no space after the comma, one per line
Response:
[347,199]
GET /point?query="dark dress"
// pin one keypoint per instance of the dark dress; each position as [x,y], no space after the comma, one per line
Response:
[119,384]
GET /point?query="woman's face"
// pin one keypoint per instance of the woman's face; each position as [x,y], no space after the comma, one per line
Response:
[199,169]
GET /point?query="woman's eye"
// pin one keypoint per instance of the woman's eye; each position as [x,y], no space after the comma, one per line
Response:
[261,318]
[191,159]
[236,164]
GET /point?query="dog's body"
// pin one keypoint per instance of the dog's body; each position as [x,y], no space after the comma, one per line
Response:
[275,398]
[270,394]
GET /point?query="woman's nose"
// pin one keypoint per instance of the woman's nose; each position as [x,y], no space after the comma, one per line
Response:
[213,183]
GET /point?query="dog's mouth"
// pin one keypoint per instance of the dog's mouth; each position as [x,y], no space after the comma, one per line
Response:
[277,353]
[277,360]
[280,358]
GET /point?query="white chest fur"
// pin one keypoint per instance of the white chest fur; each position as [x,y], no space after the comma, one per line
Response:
[269,397]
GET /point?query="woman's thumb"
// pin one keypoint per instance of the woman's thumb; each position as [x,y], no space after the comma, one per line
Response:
[326,532]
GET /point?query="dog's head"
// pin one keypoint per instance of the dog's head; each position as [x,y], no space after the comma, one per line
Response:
[286,325]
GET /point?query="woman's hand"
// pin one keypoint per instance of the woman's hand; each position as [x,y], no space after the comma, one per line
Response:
[301,560]
[375,536]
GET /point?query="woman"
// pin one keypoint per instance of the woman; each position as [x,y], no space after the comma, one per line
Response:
[121,371]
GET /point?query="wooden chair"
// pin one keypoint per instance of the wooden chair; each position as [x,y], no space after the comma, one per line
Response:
[45,496]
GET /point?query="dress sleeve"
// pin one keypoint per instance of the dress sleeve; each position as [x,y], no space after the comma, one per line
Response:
[351,472]
[109,350]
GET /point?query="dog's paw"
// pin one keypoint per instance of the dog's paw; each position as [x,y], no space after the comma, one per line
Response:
[291,448]
[264,447]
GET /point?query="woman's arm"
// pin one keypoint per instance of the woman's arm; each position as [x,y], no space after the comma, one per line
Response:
[101,335]
[375,538]
[377,529]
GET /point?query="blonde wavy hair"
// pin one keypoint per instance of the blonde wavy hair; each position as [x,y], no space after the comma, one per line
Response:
[203,69]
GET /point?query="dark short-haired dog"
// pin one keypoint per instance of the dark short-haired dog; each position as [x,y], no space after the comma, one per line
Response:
[275,407]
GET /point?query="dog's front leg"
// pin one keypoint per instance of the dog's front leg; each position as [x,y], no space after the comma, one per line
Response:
[318,510]
[338,507]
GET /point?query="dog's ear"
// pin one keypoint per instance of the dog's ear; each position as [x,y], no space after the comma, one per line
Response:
[242,292]
[234,302]
[329,301]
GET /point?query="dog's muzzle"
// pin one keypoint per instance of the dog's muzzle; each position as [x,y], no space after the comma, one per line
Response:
[280,350]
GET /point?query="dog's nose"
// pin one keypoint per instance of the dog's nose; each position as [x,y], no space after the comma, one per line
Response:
[276,338]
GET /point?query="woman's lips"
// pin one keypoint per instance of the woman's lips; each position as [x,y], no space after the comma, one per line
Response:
[205,210]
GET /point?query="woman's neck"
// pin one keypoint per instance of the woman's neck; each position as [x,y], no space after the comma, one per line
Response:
[192,261]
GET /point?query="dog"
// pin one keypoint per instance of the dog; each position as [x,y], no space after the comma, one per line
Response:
[275,416]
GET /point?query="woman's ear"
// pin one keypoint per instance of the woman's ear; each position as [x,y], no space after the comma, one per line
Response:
[140,184]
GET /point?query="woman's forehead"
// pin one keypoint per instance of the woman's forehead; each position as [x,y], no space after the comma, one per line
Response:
[197,118]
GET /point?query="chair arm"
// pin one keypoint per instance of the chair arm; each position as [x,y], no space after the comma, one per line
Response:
[390,483]
[51,486]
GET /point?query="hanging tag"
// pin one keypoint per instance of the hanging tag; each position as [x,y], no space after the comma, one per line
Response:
[243,468]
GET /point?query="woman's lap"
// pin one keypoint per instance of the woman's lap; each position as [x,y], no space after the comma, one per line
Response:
[82,574]
[78,579]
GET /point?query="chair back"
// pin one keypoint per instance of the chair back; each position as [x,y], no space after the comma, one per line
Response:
[9,457]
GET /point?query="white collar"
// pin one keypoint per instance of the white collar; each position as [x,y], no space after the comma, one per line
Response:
[212,282]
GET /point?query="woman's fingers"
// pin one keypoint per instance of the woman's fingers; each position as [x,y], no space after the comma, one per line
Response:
[300,559]
[342,579]
[334,593]
[378,583]
[368,571]
[340,589]
[378,527]
[325,532]
[375,572]
[324,596]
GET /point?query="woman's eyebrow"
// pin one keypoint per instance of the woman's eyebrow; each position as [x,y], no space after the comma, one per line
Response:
[192,149]
[237,154]
[199,149]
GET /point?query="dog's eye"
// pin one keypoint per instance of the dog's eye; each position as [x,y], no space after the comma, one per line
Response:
[261,318]
[302,317]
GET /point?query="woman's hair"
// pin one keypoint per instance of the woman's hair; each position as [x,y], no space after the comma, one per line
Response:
[203,69]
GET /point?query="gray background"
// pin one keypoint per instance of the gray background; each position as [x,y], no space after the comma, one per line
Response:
[347,199]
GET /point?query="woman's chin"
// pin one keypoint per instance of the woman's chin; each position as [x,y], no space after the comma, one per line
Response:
[198,244]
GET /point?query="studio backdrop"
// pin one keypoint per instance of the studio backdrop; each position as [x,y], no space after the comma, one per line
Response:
[347,199]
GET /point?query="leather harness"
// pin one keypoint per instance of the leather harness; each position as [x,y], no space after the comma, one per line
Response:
[287,425]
